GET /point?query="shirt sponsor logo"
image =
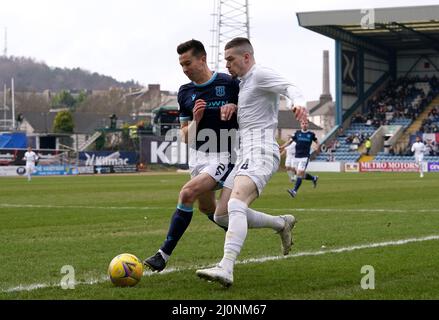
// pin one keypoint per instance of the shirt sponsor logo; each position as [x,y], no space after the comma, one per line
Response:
[220,91]
[216,104]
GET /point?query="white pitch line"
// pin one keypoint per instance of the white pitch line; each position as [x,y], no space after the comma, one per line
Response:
[349,210]
[46,206]
[340,210]
[246,261]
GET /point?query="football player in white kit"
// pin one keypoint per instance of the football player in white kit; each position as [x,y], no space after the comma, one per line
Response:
[419,148]
[30,157]
[259,156]
[289,148]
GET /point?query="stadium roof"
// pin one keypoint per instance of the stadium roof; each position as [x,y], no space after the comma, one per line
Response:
[382,30]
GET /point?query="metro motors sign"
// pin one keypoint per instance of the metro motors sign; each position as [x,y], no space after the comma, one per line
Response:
[388,167]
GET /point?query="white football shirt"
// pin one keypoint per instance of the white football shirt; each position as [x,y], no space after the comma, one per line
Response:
[258,101]
[30,157]
[418,148]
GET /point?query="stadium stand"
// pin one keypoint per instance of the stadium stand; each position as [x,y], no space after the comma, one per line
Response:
[399,103]
[386,73]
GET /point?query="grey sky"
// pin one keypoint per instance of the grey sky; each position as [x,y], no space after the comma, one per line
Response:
[136,39]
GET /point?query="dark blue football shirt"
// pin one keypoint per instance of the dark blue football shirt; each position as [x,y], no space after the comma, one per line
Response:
[221,89]
[304,141]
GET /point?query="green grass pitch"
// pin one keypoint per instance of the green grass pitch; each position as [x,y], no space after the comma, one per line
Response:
[85,221]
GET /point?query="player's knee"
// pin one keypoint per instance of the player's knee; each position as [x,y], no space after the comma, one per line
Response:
[187,195]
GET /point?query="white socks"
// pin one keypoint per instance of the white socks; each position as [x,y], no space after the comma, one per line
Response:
[240,218]
[255,219]
[236,233]
[292,176]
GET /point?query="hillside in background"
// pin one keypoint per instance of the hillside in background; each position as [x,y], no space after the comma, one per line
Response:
[30,75]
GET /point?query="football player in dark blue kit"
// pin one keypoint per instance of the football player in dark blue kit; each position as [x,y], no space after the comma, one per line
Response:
[304,140]
[208,124]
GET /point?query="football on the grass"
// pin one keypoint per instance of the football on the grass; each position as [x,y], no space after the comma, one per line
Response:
[125,270]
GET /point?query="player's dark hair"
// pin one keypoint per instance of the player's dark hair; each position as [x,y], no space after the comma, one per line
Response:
[196,46]
[242,44]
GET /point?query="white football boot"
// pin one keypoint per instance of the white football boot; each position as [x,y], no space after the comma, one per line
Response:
[217,274]
[285,233]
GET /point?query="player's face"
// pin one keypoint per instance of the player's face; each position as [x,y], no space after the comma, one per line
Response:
[235,63]
[192,66]
[304,125]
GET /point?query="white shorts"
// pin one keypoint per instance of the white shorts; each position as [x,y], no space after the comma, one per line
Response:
[215,165]
[259,168]
[289,161]
[300,163]
[30,168]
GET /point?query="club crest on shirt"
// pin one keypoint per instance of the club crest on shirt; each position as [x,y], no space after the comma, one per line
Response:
[220,91]
[193,97]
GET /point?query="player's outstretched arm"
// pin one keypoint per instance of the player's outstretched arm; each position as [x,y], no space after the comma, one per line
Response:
[300,113]
[286,144]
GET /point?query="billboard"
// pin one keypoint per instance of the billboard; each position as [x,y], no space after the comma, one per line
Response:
[433,166]
[107,158]
[388,167]
[157,150]
[50,170]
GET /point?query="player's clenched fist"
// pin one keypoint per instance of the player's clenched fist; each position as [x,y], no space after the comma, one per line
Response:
[198,111]
[300,113]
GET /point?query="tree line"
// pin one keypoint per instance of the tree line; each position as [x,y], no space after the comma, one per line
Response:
[32,75]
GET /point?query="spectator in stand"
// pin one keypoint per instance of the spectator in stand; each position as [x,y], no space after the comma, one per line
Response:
[341,132]
[368,146]
[391,151]
[355,143]
[429,147]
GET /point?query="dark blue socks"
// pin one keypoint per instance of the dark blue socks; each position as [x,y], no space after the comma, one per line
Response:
[211,218]
[309,177]
[298,183]
[179,222]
